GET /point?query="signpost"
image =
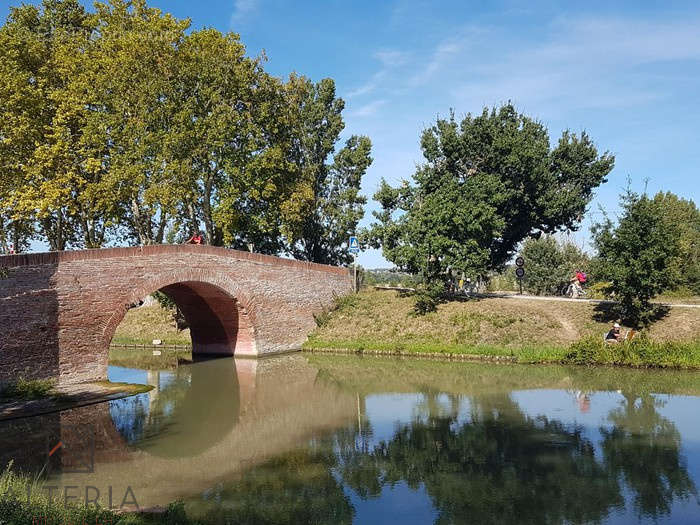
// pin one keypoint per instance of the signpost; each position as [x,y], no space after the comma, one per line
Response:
[520,272]
[354,249]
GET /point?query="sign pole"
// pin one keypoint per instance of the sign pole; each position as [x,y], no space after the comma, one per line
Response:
[354,249]
[354,266]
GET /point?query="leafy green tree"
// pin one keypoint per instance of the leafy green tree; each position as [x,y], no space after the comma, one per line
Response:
[636,255]
[488,182]
[235,143]
[334,210]
[684,215]
[40,122]
[550,263]
[133,79]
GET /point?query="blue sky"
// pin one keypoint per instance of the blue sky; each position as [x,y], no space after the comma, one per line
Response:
[627,73]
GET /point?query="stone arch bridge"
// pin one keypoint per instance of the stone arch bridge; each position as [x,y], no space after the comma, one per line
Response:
[59,310]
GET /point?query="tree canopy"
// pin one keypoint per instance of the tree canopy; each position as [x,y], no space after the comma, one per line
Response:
[488,182]
[636,254]
[124,125]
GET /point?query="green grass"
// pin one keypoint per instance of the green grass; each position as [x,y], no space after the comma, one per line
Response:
[143,325]
[17,508]
[526,331]
[127,388]
[28,389]
[640,352]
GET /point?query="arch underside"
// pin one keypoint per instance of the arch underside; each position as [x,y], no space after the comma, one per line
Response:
[218,323]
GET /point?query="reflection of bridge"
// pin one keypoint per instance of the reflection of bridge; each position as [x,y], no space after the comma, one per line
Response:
[58,311]
[233,415]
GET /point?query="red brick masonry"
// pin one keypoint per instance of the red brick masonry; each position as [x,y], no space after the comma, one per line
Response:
[59,310]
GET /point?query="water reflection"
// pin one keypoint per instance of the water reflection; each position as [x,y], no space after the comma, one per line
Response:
[188,411]
[642,448]
[341,440]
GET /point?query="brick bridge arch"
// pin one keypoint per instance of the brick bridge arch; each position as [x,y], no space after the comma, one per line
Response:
[59,311]
[221,315]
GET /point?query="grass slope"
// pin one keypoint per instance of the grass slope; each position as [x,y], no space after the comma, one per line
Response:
[143,325]
[530,331]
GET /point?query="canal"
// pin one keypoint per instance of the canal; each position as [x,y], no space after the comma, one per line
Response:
[334,439]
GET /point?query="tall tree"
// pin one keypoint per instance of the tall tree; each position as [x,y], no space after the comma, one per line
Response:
[488,182]
[133,79]
[41,125]
[336,206]
[236,143]
[684,215]
[635,255]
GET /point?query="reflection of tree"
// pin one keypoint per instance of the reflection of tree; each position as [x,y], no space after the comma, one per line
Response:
[644,448]
[298,487]
[502,467]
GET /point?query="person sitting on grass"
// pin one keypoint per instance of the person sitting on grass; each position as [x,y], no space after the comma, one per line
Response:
[614,335]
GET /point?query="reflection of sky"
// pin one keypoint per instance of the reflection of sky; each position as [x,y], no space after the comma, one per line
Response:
[397,504]
[682,411]
[120,374]
[384,413]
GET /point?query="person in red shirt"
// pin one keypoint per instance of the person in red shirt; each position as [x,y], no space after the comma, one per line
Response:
[196,239]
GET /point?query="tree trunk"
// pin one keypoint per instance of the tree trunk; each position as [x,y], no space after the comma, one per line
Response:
[206,208]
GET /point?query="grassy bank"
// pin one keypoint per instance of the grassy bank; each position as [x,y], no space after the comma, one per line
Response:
[27,390]
[528,331]
[23,500]
[143,325]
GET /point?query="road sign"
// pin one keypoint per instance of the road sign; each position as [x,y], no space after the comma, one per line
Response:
[520,272]
[354,245]
[520,262]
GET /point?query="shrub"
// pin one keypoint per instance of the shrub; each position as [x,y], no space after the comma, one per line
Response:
[28,389]
[428,297]
[340,302]
[600,290]
[640,351]
[550,263]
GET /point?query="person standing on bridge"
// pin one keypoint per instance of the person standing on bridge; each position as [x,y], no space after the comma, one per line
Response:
[197,238]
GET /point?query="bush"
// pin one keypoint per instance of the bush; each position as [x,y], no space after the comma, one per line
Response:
[549,264]
[600,290]
[340,302]
[428,297]
[28,389]
[636,255]
[640,351]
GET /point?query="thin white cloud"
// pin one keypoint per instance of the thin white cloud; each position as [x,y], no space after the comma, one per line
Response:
[392,57]
[440,57]
[368,86]
[242,9]
[593,63]
[368,110]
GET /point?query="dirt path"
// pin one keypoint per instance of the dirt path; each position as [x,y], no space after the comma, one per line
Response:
[507,295]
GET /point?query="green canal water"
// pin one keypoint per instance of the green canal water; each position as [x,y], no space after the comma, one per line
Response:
[331,439]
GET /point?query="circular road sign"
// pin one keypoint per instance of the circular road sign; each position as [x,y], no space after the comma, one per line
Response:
[520,272]
[520,261]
